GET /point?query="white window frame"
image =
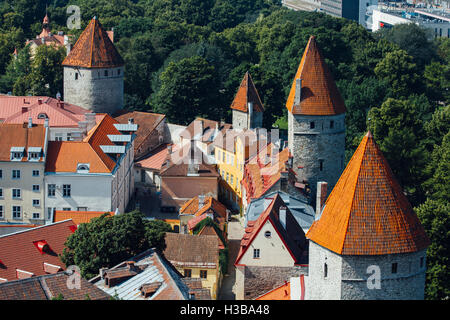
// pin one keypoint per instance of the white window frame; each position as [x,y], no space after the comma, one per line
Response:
[36,202]
[36,215]
[15,190]
[53,189]
[13,212]
[36,189]
[67,187]
[256,253]
[36,175]
[2,212]
[15,175]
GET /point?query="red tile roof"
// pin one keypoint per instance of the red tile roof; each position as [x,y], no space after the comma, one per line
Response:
[78,217]
[94,49]
[17,109]
[319,93]
[18,251]
[156,159]
[291,236]
[283,292]
[64,156]
[19,135]
[247,93]
[367,212]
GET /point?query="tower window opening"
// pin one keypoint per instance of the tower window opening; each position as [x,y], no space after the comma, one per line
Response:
[76,76]
[325,270]
[331,124]
[321,165]
[312,125]
[394,267]
[106,73]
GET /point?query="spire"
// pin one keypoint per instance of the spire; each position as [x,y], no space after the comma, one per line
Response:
[319,94]
[247,93]
[46,19]
[367,212]
[94,49]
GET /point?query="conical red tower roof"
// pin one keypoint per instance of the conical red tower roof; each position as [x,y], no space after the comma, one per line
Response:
[94,49]
[319,94]
[247,93]
[367,212]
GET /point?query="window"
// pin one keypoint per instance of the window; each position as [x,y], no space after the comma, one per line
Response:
[187,273]
[16,193]
[36,215]
[42,115]
[17,212]
[394,267]
[66,190]
[1,212]
[36,202]
[50,213]
[331,124]
[1,192]
[16,174]
[58,137]
[267,234]
[76,76]
[35,173]
[16,155]
[312,125]
[36,187]
[256,254]
[1,174]
[203,274]
[106,73]
[82,209]
[33,156]
[69,136]
[321,165]
[118,72]
[66,209]
[142,175]
[232,180]
[51,190]
[325,270]
[421,262]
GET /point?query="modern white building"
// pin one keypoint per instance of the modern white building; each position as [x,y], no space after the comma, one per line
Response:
[94,172]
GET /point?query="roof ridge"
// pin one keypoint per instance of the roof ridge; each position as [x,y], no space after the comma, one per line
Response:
[33,229]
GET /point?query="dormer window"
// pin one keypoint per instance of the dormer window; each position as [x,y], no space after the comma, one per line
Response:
[42,115]
[17,153]
[83,168]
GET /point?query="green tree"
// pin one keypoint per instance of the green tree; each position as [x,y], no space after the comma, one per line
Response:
[107,241]
[19,67]
[189,88]
[400,72]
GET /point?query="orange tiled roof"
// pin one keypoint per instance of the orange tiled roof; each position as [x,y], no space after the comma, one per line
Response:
[19,135]
[64,156]
[78,217]
[191,207]
[94,49]
[367,212]
[319,94]
[247,93]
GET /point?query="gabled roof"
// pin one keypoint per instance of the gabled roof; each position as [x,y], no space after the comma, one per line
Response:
[191,207]
[18,251]
[367,212]
[19,135]
[192,250]
[47,287]
[94,49]
[247,93]
[78,217]
[64,156]
[17,109]
[146,121]
[319,93]
[292,236]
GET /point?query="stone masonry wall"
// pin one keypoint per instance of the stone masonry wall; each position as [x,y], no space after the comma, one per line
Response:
[309,146]
[240,120]
[93,90]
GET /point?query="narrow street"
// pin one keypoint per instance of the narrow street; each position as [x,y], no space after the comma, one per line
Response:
[235,233]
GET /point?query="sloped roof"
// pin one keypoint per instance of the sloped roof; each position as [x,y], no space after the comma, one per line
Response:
[208,128]
[64,156]
[367,212]
[94,49]
[156,158]
[192,207]
[17,250]
[78,217]
[247,93]
[50,286]
[319,93]
[290,236]
[146,121]
[19,135]
[186,249]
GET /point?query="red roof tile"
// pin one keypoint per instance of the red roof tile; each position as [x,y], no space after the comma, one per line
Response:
[19,135]
[78,217]
[367,212]
[247,93]
[94,49]
[18,250]
[156,159]
[319,93]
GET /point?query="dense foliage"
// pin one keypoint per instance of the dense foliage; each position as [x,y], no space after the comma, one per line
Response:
[107,241]
[186,58]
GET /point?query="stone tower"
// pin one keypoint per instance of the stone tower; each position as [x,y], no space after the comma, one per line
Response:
[93,72]
[247,106]
[316,120]
[367,243]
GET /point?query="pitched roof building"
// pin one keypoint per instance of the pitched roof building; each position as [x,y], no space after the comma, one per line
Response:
[367,220]
[46,37]
[148,276]
[34,252]
[50,287]
[78,217]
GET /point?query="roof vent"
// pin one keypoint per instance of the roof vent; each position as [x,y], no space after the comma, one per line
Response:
[148,289]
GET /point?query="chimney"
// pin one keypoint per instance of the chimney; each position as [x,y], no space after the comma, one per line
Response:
[46,123]
[39,101]
[24,109]
[201,201]
[30,122]
[83,126]
[90,119]
[282,216]
[102,272]
[321,197]
[298,91]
